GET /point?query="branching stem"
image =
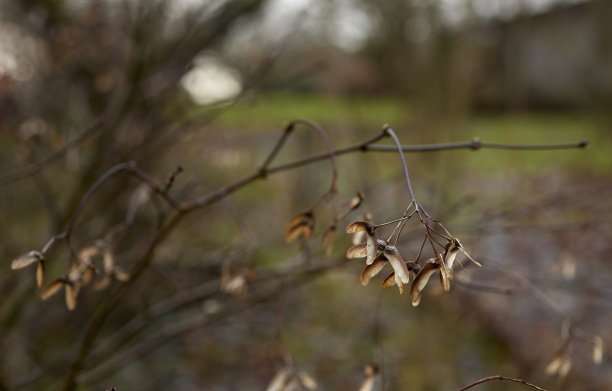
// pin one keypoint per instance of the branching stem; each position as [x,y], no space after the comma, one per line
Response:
[182,209]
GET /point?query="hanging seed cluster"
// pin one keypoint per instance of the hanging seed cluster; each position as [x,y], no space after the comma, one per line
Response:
[81,273]
[378,253]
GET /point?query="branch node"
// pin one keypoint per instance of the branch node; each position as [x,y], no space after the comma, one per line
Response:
[289,127]
[385,129]
[476,144]
[584,143]
[171,178]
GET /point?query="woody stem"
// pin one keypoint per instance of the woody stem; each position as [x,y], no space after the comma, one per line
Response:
[391,133]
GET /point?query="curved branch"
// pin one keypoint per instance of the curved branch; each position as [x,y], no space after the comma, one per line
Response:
[500,378]
[391,133]
[322,134]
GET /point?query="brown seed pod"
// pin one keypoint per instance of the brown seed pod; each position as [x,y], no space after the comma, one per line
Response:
[389,281]
[398,264]
[27,260]
[52,288]
[373,269]
[420,281]
[40,273]
[301,226]
[327,243]
[357,251]
[71,292]
[357,200]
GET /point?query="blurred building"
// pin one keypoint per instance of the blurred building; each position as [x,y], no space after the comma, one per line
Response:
[557,59]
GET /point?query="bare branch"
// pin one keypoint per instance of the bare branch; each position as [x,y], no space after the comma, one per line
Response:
[37,167]
[500,378]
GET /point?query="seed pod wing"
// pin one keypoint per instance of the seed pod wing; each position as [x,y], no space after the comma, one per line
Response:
[398,264]
[52,288]
[27,260]
[40,273]
[421,280]
[373,269]
[357,251]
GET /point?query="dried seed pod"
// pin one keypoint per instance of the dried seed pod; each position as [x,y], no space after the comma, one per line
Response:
[120,275]
[328,239]
[52,288]
[420,281]
[389,281]
[88,275]
[398,264]
[565,368]
[307,380]
[358,237]
[358,226]
[445,276]
[71,292]
[598,349]
[279,381]
[371,372]
[462,249]
[373,245]
[560,366]
[373,269]
[450,254]
[27,260]
[301,226]
[40,273]
[108,261]
[565,266]
[87,253]
[371,242]
[553,367]
[303,230]
[357,251]
[357,200]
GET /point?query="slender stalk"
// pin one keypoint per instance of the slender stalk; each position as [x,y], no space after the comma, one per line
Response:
[391,133]
[132,169]
[40,165]
[406,217]
[321,133]
[500,378]
[277,147]
[313,125]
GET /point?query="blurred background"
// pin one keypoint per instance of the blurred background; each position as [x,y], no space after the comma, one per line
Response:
[209,86]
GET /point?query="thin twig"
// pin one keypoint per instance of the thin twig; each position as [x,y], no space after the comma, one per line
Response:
[105,368]
[321,133]
[132,169]
[500,378]
[370,147]
[37,167]
[391,133]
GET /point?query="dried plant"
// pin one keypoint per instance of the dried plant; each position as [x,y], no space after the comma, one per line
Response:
[378,252]
[371,382]
[96,264]
[290,379]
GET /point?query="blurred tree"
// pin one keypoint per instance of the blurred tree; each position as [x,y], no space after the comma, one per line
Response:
[118,62]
